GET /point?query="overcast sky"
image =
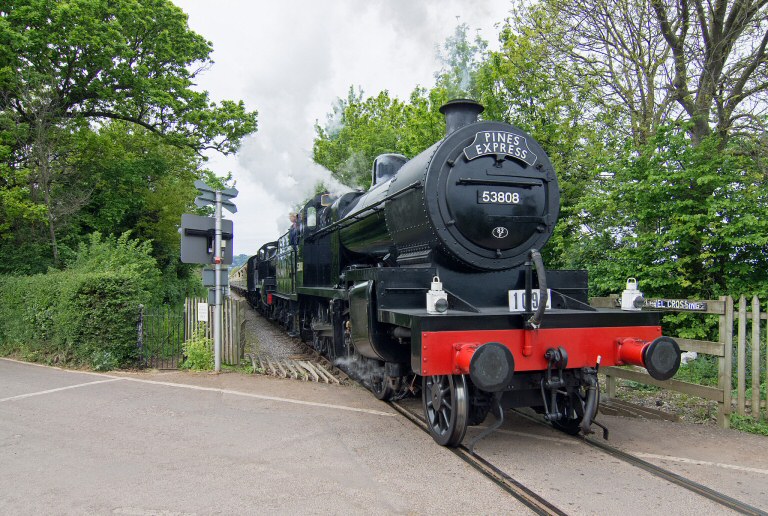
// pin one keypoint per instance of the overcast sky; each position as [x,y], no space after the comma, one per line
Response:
[291,59]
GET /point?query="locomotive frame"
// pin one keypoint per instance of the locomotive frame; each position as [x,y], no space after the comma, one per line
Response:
[365,281]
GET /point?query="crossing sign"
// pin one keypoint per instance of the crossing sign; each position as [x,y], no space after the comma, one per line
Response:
[207,197]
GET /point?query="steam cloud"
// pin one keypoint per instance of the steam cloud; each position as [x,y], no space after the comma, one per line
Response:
[293,65]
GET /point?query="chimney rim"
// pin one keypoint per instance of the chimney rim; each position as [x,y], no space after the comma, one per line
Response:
[468,103]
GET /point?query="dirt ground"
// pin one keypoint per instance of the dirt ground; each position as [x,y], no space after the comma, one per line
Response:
[689,409]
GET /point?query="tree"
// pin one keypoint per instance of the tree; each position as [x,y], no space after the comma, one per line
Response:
[124,60]
[652,224]
[461,57]
[720,66]
[358,128]
[65,66]
[137,184]
[663,60]
[357,131]
[687,80]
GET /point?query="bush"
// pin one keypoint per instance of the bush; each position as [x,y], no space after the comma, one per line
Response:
[198,352]
[702,371]
[86,314]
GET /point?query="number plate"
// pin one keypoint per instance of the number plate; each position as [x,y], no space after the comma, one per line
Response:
[497,197]
[517,300]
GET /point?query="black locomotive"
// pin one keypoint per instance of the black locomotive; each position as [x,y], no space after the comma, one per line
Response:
[432,279]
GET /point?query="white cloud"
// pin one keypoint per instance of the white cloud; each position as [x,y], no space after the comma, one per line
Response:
[290,60]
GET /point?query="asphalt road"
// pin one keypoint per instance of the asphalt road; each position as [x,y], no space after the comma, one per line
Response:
[180,443]
[167,444]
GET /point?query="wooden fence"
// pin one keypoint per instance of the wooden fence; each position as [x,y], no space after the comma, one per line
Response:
[233,322]
[722,349]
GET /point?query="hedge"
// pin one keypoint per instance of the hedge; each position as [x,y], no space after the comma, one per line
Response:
[72,317]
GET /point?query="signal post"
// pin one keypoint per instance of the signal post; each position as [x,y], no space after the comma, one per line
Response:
[203,240]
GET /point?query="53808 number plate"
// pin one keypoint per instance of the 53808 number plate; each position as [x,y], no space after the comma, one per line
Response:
[517,300]
[495,197]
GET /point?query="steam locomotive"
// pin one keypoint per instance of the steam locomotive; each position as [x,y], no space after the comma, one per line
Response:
[432,280]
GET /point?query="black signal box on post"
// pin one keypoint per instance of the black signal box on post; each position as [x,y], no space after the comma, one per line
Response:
[198,235]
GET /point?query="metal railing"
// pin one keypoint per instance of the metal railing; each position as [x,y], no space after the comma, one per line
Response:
[160,337]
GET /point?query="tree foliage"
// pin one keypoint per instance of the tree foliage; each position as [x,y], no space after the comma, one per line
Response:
[650,219]
[124,60]
[119,178]
[661,60]
[461,57]
[523,84]
[359,129]
[67,69]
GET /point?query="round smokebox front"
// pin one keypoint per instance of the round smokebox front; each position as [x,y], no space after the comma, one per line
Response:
[498,195]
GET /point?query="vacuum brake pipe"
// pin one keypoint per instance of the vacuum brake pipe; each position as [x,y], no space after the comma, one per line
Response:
[590,407]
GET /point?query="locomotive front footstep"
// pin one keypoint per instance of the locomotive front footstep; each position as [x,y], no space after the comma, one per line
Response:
[432,283]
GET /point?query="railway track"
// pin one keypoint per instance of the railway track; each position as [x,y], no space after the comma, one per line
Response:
[314,367]
[527,497]
[700,489]
[309,366]
[540,505]
[665,474]
[304,363]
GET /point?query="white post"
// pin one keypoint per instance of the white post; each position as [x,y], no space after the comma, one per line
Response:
[217,291]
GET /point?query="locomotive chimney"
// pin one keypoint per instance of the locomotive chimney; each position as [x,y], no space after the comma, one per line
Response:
[460,112]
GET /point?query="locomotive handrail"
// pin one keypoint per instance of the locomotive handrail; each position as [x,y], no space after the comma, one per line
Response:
[497,182]
[353,217]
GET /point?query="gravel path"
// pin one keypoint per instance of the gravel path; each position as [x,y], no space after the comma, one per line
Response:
[266,339]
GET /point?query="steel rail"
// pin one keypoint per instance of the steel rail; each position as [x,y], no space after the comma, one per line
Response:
[538,504]
[534,502]
[665,474]
[700,489]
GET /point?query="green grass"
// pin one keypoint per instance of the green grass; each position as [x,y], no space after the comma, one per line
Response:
[242,367]
[702,371]
[747,424]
